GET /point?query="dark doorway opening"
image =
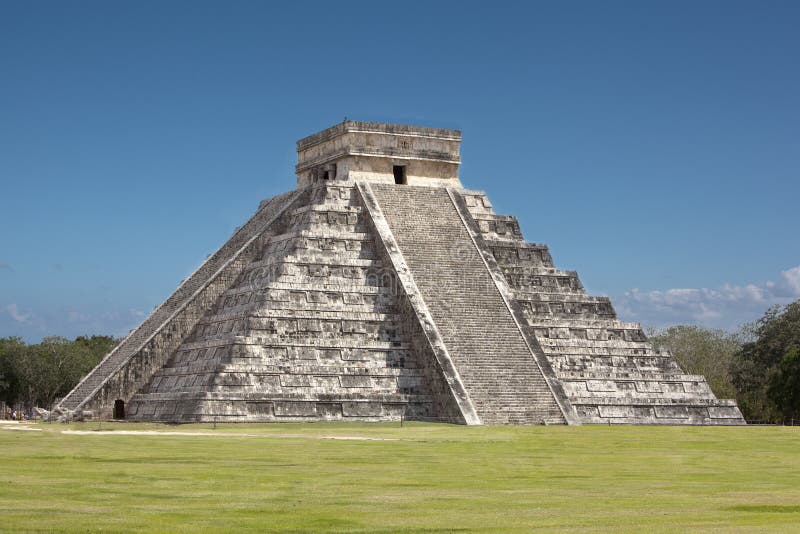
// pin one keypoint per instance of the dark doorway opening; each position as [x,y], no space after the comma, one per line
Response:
[399,174]
[328,172]
[119,409]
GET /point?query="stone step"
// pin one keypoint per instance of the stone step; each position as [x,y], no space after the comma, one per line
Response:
[552,292]
[638,377]
[297,235]
[603,354]
[281,289]
[286,367]
[230,340]
[339,261]
[625,401]
[593,346]
[584,323]
[283,397]
[320,308]
[252,311]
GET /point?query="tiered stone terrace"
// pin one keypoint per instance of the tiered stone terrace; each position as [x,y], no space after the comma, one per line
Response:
[608,369]
[310,331]
[381,289]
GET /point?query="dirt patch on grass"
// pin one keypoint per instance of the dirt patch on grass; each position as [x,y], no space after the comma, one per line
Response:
[19,427]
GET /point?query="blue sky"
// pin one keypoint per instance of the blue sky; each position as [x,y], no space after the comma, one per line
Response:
[654,146]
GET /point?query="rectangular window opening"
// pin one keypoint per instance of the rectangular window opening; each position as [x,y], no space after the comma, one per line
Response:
[399,174]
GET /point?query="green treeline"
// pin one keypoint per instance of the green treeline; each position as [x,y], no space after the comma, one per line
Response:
[38,374]
[759,365]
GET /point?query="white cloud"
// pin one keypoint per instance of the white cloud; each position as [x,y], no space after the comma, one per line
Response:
[17,314]
[792,279]
[725,307]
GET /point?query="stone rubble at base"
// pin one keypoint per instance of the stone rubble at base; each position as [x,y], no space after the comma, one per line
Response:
[381,289]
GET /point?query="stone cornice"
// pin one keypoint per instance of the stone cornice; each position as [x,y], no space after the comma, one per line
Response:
[379,128]
[426,155]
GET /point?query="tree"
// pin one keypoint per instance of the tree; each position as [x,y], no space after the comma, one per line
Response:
[94,348]
[46,369]
[784,385]
[702,351]
[40,373]
[10,349]
[766,365]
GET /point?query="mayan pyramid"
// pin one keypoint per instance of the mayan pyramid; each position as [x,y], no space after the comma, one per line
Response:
[382,289]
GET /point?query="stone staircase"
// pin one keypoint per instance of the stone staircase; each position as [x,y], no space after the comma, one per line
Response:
[607,367]
[487,347]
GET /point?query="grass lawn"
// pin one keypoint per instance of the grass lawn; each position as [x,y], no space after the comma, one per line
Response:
[418,478]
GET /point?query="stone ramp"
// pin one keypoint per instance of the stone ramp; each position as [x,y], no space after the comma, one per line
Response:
[487,347]
[153,340]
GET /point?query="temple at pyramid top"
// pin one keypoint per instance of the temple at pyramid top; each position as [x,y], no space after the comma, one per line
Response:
[382,153]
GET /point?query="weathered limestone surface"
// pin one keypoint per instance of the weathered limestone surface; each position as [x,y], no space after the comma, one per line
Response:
[356,150]
[126,368]
[311,330]
[609,371]
[380,289]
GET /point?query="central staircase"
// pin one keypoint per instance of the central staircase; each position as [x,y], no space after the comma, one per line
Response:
[487,347]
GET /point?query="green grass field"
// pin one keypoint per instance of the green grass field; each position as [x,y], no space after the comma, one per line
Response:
[421,477]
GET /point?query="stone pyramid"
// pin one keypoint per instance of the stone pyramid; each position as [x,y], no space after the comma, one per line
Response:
[381,289]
